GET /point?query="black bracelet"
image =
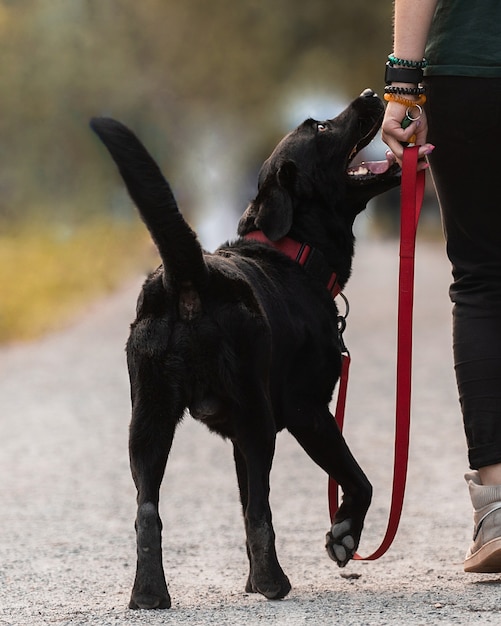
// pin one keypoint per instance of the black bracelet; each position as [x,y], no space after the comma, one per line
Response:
[394,74]
[405,91]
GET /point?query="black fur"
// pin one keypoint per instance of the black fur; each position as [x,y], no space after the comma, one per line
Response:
[245,338]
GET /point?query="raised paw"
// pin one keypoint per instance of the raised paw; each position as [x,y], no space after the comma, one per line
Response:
[340,542]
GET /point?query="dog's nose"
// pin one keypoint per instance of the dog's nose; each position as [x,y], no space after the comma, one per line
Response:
[367,93]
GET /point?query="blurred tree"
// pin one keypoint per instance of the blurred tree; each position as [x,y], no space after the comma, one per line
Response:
[201,83]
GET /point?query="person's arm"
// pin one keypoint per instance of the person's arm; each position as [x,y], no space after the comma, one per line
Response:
[411,25]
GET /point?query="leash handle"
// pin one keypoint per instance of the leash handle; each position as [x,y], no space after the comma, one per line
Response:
[412,192]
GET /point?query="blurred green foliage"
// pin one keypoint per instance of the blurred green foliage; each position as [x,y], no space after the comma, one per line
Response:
[204,84]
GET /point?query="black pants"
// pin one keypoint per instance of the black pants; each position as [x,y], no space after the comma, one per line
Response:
[464,116]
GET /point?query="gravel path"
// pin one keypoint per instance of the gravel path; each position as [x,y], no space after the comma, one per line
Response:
[67,553]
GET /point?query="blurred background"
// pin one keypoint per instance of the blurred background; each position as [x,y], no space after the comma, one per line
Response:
[208,86]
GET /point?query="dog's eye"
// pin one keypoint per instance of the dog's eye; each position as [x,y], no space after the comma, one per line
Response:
[321,127]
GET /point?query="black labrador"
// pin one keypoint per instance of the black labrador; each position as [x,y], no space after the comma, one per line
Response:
[246,338]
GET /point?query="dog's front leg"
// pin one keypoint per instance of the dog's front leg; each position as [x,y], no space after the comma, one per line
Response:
[316,430]
[243,487]
[253,457]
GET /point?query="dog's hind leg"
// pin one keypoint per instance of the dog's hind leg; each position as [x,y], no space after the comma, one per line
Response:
[253,451]
[316,430]
[148,460]
[155,414]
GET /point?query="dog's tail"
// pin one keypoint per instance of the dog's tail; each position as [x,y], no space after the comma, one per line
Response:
[177,244]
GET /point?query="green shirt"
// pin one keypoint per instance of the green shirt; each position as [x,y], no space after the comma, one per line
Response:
[465,39]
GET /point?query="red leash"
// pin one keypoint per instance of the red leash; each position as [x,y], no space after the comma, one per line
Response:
[412,191]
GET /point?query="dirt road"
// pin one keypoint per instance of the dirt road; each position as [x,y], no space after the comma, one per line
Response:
[67,551]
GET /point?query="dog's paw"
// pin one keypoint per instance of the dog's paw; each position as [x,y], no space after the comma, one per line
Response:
[275,589]
[150,601]
[340,542]
[249,588]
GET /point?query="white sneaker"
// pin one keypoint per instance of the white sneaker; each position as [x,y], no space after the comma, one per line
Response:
[484,554]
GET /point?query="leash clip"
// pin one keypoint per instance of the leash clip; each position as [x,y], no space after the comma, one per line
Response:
[341,323]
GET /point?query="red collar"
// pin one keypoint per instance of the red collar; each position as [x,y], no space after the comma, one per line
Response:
[304,254]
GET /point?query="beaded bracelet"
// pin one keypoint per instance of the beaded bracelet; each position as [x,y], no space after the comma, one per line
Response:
[393,60]
[391,97]
[405,91]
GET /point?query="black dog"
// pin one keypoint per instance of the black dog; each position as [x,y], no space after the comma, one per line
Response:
[246,338]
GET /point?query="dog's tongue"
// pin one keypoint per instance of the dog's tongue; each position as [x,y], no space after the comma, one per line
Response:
[380,167]
[376,167]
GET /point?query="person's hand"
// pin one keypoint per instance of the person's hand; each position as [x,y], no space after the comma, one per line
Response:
[396,137]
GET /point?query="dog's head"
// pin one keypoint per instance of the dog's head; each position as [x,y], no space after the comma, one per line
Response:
[308,178]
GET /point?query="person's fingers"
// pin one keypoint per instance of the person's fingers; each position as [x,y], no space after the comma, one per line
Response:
[397,137]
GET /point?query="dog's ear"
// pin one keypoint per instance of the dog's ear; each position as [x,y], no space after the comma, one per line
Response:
[272,210]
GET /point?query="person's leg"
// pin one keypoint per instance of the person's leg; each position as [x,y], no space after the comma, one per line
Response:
[465,126]
[491,474]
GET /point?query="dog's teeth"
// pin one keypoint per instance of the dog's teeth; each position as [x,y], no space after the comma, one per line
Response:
[360,171]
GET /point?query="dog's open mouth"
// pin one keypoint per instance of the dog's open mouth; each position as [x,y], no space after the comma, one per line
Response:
[366,171]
